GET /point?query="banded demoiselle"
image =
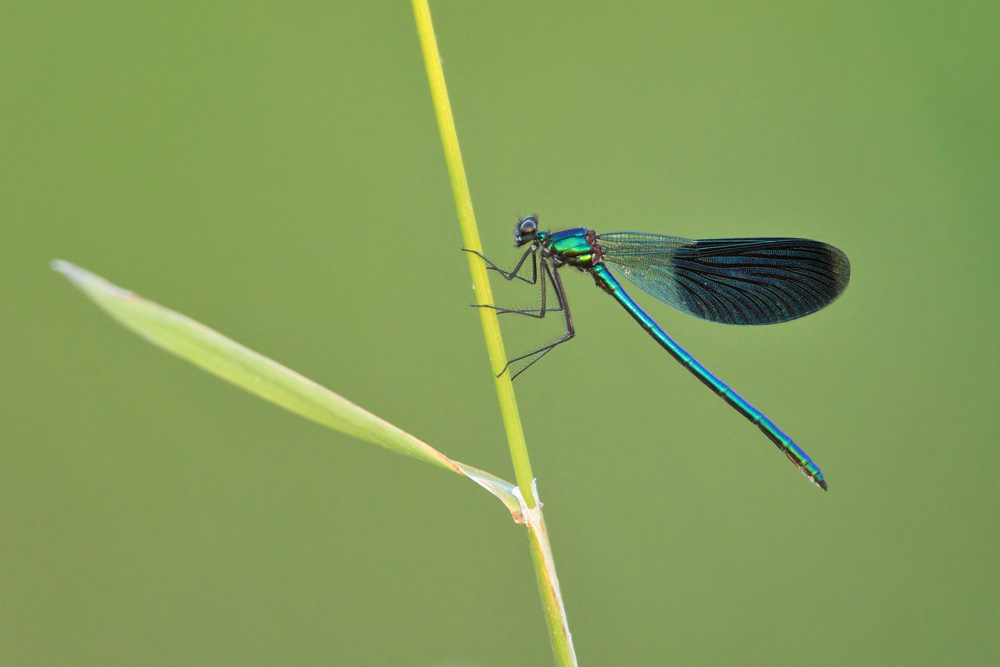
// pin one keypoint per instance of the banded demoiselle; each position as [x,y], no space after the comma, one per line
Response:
[732,281]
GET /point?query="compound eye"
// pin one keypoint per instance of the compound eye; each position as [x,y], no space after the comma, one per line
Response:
[529,226]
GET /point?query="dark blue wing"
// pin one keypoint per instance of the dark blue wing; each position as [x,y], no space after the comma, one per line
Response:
[732,281]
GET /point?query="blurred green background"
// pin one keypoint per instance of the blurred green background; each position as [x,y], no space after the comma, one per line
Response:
[274,170]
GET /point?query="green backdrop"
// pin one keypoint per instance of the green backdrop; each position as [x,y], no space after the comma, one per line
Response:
[274,170]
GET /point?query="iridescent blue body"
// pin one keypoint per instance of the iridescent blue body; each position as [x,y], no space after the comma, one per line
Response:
[784,443]
[732,281]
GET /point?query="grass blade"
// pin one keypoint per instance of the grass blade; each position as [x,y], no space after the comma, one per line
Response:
[221,356]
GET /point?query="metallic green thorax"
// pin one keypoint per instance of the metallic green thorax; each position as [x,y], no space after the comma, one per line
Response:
[572,246]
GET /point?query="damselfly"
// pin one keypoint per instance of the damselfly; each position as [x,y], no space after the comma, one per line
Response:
[732,281]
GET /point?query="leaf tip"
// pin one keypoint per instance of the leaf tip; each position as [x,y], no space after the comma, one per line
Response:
[87,281]
[63,267]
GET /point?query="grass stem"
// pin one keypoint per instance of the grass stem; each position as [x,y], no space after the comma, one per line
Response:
[470,237]
[541,551]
